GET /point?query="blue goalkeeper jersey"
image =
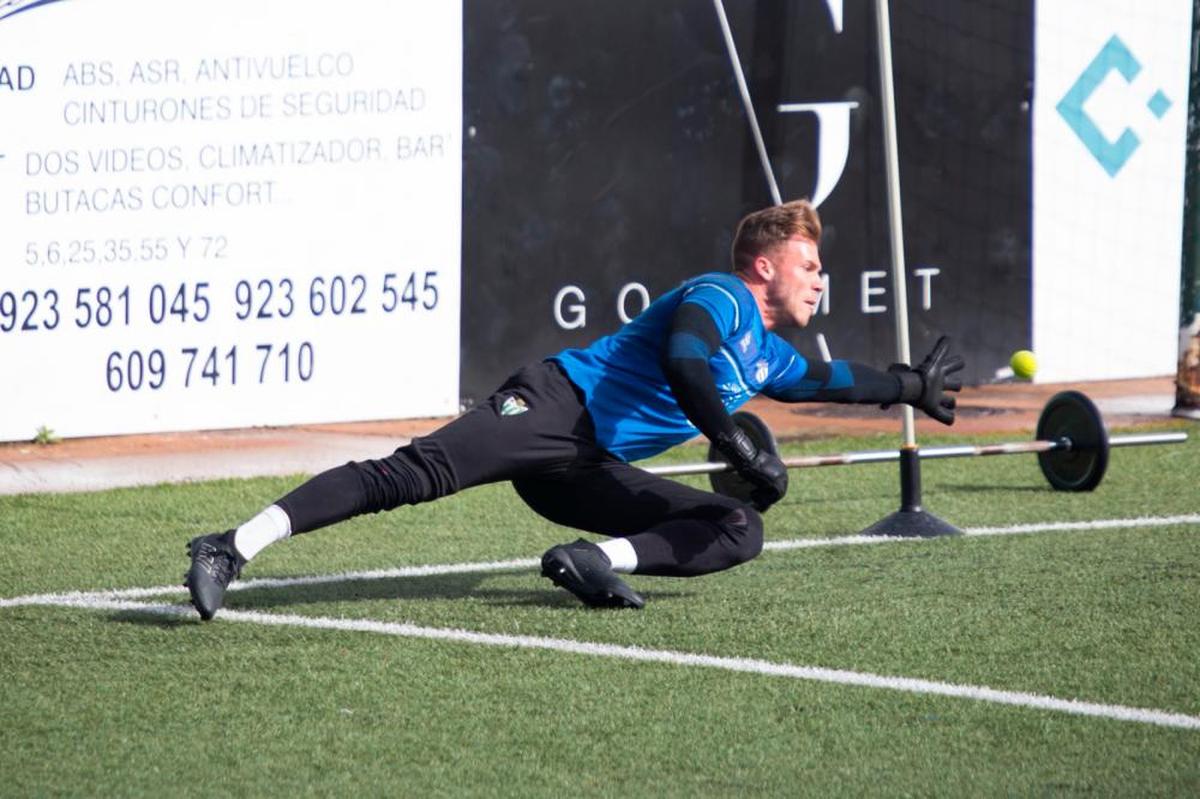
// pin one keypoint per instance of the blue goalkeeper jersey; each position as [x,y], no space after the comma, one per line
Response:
[626,392]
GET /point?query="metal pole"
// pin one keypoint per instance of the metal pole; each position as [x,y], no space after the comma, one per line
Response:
[889,455]
[747,103]
[883,29]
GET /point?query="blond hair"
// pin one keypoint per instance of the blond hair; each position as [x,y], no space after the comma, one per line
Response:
[763,230]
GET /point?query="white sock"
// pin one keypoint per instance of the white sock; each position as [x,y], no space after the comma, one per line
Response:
[621,553]
[266,528]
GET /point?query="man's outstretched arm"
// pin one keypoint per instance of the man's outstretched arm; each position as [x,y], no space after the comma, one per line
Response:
[923,387]
[839,381]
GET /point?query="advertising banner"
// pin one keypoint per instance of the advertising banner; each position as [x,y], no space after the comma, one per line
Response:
[219,217]
[607,158]
[1110,127]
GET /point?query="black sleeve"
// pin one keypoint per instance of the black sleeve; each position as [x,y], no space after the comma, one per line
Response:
[693,338]
[841,381]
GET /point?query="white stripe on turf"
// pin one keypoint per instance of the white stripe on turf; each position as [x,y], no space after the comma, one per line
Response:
[978,693]
[284,582]
[529,563]
[1016,529]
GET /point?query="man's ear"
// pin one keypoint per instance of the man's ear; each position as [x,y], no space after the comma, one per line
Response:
[763,268]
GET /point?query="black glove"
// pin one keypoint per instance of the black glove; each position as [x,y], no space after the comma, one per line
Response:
[761,469]
[925,387]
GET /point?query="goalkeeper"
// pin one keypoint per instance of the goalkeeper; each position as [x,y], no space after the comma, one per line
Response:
[564,430]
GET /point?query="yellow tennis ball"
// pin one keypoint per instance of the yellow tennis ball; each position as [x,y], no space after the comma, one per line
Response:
[1023,363]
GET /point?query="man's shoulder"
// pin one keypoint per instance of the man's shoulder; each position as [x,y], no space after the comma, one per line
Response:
[725,294]
[780,350]
[721,280]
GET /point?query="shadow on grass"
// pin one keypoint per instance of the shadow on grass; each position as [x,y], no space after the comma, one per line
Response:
[968,488]
[440,586]
[403,589]
[155,619]
[431,587]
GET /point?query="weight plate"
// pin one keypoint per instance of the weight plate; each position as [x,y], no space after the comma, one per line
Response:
[1071,415]
[730,483]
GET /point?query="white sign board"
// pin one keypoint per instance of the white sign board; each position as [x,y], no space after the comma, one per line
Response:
[1110,118]
[225,214]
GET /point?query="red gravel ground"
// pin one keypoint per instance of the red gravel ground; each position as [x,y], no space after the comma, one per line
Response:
[1012,407]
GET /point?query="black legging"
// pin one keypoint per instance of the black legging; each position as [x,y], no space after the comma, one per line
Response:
[545,445]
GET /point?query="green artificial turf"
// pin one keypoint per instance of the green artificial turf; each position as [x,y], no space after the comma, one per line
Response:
[104,702]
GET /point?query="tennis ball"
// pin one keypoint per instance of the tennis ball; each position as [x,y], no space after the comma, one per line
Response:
[1023,363]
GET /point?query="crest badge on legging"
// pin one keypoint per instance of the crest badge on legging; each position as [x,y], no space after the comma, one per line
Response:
[513,406]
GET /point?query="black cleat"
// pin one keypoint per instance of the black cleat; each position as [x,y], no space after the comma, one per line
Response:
[583,569]
[215,564]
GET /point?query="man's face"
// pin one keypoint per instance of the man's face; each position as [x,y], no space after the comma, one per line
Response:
[795,282]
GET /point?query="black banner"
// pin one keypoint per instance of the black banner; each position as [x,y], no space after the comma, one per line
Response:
[607,157]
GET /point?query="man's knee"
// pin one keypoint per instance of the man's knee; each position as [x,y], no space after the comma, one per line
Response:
[742,529]
[415,473]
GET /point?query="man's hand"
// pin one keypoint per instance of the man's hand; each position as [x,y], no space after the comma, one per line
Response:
[925,387]
[763,470]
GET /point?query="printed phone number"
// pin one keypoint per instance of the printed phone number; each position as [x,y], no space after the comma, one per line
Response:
[119,251]
[189,367]
[103,306]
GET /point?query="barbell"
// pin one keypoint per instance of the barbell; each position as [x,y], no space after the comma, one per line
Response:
[1072,446]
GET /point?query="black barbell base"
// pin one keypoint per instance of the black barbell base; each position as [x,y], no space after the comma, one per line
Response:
[911,521]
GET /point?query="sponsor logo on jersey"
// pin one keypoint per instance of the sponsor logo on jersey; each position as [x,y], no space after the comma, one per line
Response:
[746,341]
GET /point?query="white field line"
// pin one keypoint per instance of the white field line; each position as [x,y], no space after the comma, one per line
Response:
[978,693]
[530,563]
[1016,529]
[282,582]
